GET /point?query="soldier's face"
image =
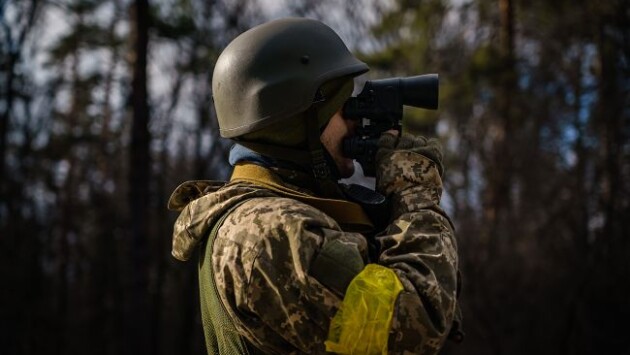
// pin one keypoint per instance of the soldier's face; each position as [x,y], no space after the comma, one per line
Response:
[332,137]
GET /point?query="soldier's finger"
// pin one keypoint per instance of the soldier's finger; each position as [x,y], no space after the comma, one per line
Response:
[405,142]
[388,139]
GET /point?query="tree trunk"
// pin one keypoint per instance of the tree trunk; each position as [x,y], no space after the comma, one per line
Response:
[611,112]
[500,173]
[137,315]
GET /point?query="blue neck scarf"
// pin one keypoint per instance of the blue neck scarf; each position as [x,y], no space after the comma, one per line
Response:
[239,153]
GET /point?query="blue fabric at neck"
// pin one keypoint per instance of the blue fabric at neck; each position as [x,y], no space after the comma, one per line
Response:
[239,153]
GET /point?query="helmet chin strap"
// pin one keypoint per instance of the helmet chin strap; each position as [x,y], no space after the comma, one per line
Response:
[324,174]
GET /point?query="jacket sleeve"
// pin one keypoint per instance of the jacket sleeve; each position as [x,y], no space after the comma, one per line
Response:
[419,245]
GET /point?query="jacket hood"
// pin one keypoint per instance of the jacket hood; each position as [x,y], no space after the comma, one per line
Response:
[202,203]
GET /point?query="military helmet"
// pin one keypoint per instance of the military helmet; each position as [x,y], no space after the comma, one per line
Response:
[273,72]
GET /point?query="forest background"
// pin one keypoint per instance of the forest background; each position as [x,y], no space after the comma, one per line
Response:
[105,107]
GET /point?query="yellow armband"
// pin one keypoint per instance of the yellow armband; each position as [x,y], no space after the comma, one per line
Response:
[361,326]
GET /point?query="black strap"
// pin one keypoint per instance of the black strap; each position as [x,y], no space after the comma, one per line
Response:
[324,179]
[321,171]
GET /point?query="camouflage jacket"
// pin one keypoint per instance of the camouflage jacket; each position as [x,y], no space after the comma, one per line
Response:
[268,257]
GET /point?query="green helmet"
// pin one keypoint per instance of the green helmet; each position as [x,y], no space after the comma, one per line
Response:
[273,72]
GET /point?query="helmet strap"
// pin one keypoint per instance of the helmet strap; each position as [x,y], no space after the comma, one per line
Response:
[326,186]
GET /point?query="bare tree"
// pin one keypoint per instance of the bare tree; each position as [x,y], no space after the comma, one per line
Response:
[137,313]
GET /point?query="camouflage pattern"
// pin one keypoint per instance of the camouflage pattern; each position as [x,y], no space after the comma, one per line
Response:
[409,172]
[266,251]
[419,244]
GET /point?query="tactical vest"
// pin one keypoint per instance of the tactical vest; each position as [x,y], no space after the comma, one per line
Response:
[222,337]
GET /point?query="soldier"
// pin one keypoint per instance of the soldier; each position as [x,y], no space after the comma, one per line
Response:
[285,262]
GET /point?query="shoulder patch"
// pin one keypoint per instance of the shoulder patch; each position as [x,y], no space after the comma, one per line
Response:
[336,265]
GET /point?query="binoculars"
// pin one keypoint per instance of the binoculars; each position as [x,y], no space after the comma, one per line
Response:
[379,108]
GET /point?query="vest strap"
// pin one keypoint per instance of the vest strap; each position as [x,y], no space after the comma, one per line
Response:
[350,216]
[220,333]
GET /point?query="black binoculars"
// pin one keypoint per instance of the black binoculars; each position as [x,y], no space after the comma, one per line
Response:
[379,108]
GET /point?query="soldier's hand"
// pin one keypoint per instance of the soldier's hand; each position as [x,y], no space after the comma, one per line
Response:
[408,163]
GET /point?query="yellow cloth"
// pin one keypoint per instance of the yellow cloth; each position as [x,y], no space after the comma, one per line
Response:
[362,324]
[349,215]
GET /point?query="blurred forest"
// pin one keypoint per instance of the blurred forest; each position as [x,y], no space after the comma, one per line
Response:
[105,107]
